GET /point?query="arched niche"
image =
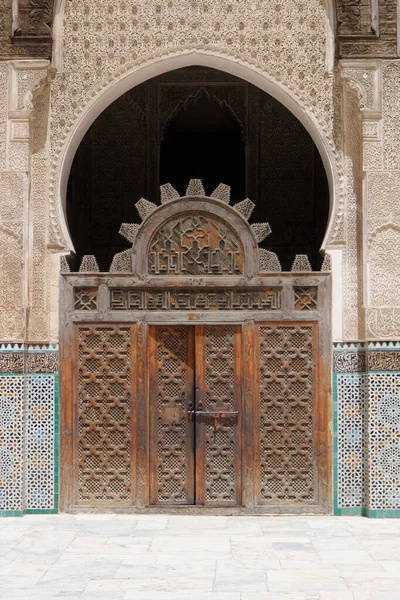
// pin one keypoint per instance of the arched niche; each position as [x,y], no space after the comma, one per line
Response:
[203,58]
[273,161]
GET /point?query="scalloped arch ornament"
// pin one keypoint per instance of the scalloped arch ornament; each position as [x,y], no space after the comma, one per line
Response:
[194,235]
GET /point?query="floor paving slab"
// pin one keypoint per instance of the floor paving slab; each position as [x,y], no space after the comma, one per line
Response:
[162,557]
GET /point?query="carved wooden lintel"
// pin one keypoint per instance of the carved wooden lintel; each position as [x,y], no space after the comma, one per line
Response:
[367,28]
[26,29]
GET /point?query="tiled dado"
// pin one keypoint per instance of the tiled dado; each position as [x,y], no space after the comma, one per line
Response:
[28,429]
[366,394]
[366,383]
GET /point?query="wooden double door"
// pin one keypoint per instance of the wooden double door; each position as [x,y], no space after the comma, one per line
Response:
[195,415]
[181,415]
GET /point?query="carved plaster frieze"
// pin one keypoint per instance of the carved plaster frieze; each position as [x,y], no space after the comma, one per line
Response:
[365,76]
[352,258]
[384,266]
[383,323]
[383,197]
[390,113]
[23,78]
[372,129]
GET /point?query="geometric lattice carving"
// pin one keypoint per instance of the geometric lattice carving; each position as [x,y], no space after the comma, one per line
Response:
[89,264]
[301,263]
[122,262]
[195,188]
[195,245]
[129,231]
[85,299]
[169,410]
[261,231]
[220,463]
[104,414]
[245,208]
[269,262]
[286,414]
[305,298]
[327,263]
[145,208]
[222,192]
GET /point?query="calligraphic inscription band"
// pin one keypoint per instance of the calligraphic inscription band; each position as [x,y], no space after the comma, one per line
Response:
[258,299]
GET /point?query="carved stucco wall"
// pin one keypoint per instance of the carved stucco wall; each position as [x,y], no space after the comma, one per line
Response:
[375,87]
[17,79]
[383,212]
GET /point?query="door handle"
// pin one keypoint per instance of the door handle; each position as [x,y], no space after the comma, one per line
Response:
[216,414]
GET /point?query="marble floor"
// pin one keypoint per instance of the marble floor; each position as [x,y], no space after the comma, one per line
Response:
[159,557]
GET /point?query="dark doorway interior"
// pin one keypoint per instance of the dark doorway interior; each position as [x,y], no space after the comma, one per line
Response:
[204,137]
[198,123]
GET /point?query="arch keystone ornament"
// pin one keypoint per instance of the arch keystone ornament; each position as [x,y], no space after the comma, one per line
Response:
[192,235]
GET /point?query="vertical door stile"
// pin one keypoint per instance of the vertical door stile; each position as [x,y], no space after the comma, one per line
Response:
[134,413]
[153,495]
[75,419]
[237,422]
[190,423]
[200,442]
[249,430]
[142,390]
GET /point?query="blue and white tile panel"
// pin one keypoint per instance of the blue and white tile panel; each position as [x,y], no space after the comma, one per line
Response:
[28,428]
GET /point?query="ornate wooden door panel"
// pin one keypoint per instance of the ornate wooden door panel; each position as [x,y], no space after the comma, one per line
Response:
[287,414]
[171,430]
[218,419]
[195,435]
[103,415]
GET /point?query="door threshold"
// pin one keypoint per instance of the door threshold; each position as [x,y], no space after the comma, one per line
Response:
[209,510]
